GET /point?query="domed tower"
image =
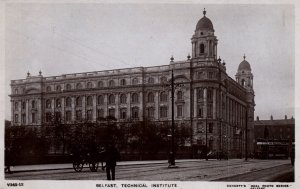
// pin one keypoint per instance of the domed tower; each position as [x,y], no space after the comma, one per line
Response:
[204,42]
[244,75]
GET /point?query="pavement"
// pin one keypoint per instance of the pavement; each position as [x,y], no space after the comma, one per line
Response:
[41,167]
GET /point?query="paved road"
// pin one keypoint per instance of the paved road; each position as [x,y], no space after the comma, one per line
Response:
[200,170]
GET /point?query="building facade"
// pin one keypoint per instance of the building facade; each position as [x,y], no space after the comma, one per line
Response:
[274,138]
[217,108]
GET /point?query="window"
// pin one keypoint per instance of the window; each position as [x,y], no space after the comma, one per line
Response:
[33,118]
[111,112]
[135,98]
[16,106]
[201,48]
[48,117]
[68,102]
[200,110]
[48,103]
[100,100]
[163,80]
[58,103]
[163,112]
[68,87]
[123,82]
[209,95]
[150,97]
[151,80]
[179,95]
[16,91]
[210,75]
[111,83]
[135,81]
[209,110]
[58,88]
[151,112]
[78,115]
[200,94]
[57,116]
[68,115]
[100,84]
[123,113]
[89,85]
[163,97]
[23,105]
[89,101]
[200,75]
[89,115]
[179,111]
[78,86]
[33,104]
[243,83]
[210,127]
[23,119]
[135,113]
[100,114]
[79,101]
[123,99]
[16,118]
[48,89]
[111,99]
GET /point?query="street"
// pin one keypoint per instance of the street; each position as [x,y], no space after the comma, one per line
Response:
[194,170]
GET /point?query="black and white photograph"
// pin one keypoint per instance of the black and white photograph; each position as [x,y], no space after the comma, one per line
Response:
[159,94]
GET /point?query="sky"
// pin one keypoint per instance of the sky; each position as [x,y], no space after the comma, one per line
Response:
[70,38]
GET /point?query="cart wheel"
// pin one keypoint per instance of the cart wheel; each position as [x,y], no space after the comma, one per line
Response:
[93,166]
[77,166]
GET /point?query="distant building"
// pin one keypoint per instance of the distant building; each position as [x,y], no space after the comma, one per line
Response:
[274,138]
[209,100]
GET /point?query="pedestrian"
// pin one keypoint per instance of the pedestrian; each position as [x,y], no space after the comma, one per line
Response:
[292,155]
[112,155]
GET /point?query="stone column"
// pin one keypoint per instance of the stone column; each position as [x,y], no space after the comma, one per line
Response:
[83,107]
[53,105]
[27,111]
[205,103]
[156,100]
[105,98]
[73,108]
[117,109]
[94,107]
[62,104]
[39,111]
[214,104]
[195,104]
[12,111]
[128,99]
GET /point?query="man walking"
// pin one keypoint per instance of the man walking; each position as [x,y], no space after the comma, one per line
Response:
[112,156]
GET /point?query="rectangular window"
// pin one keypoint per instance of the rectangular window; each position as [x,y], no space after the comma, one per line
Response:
[100,114]
[68,115]
[89,115]
[48,117]
[151,112]
[135,113]
[111,112]
[16,118]
[78,115]
[209,110]
[163,112]
[33,118]
[57,116]
[210,75]
[179,111]
[200,110]
[210,127]
[23,118]
[123,113]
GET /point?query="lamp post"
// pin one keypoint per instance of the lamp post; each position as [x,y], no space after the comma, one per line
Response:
[206,140]
[172,155]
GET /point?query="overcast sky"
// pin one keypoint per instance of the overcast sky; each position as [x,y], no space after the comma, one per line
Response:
[69,38]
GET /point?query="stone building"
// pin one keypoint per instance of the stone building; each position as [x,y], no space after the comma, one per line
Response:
[208,100]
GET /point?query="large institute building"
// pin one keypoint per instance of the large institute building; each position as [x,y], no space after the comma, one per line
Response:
[207,99]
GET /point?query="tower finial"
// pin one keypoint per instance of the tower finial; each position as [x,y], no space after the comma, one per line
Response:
[172,58]
[204,12]
[244,56]
[40,72]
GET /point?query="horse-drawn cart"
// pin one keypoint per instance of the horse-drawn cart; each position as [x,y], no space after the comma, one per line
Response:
[92,159]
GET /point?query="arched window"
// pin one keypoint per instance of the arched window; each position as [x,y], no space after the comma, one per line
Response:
[58,88]
[78,86]
[16,91]
[111,99]
[100,84]
[163,97]
[200,94]
[111,83]
[100,100]
[68,102]
[79,101]
[201,48]
[123,99]
[89,101]
[68,86]
[135,98]
[58,103]
[243,83]
[89,85]
[123,82]
[135,81]
[151,80]
[179,95]
[163,80]
[150,97]
[23,105]
[48,89]
[33,104]
[48,103]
